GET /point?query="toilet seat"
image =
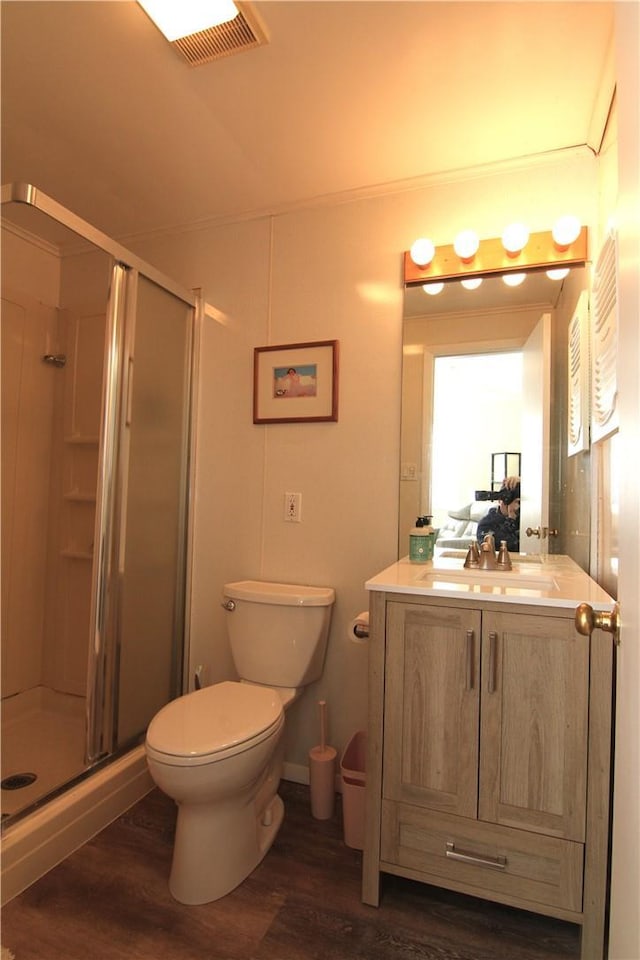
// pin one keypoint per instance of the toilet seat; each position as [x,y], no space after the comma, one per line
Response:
[213,723]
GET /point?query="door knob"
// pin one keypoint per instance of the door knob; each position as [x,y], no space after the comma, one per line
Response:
[541,532]
[587,620]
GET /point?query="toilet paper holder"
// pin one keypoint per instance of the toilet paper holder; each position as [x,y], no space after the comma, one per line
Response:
[361,631]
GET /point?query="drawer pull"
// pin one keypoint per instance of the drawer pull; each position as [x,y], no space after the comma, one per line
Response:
[499,863]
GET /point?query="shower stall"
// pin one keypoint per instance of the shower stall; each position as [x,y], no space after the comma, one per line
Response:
[97,364]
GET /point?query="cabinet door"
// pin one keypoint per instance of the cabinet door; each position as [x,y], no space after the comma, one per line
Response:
[431,707]
[533,753]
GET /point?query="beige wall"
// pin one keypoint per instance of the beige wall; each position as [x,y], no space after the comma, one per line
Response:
[333,271]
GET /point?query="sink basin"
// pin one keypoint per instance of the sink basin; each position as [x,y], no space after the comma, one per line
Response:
[491,578]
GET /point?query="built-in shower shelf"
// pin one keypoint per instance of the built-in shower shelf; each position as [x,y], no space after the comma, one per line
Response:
[76,497]
[77,555]
[82,441]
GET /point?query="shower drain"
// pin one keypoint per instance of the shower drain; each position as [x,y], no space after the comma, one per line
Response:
[18,780]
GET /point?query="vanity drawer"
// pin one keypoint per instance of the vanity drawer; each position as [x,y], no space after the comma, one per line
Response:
[482,857]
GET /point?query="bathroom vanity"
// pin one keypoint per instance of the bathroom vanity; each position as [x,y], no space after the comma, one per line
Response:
[489,748]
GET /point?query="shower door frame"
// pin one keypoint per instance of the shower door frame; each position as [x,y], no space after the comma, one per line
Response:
[102,640]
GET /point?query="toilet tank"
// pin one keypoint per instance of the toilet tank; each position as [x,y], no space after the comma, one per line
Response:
[278,631]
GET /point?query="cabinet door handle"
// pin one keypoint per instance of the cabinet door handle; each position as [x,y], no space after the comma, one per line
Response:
[493,642]
[469,677]
[498,863]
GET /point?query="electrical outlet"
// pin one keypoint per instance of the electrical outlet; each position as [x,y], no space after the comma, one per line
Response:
[293,507]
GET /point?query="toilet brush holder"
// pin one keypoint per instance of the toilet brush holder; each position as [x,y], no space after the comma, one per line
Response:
[322,773]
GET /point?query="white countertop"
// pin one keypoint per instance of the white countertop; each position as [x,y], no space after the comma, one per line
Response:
[549,581]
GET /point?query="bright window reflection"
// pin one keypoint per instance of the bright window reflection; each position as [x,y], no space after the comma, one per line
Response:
[477,411]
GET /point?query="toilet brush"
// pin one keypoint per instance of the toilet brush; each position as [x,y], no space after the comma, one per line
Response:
[322,772]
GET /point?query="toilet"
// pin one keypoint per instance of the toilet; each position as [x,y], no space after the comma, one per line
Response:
[218,752]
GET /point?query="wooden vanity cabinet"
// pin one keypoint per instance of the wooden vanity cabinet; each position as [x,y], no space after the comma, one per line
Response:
[488,767]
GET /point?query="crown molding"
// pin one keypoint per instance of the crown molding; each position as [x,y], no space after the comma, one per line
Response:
[369,192]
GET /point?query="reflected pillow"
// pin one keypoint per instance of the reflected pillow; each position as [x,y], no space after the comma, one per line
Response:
[462,513]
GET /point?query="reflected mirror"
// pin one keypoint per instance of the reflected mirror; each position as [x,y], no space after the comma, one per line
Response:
[485,391]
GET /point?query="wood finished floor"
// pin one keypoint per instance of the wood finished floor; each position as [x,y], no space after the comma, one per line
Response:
[110,901]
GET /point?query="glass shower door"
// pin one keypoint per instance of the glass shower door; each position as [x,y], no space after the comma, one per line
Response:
[96,396]
[152,552]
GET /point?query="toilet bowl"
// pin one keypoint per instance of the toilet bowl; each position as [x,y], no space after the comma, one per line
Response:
[218,752]
[215,752]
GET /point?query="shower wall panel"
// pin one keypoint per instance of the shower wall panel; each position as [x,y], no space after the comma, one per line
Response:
[29,330]
[73,491]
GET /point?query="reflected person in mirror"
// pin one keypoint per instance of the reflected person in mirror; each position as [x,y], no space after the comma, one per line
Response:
[503,521]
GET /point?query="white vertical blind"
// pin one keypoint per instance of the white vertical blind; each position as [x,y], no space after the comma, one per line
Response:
[604,343]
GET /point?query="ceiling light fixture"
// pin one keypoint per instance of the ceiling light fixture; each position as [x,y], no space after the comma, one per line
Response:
[422,252]
[177,20]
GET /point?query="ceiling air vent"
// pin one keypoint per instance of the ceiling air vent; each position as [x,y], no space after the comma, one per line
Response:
[244,32]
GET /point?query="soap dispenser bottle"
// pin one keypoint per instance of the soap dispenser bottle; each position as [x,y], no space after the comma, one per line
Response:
[419,543]
[431,535]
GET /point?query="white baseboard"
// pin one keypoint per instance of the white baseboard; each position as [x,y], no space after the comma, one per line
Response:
[295,772]
[299,773]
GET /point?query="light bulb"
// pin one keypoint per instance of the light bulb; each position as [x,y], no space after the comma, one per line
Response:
[433,288]
[515,238]
[466,245]
[565,231]
[472,283]
[514,279]
[559,274]
[422,252]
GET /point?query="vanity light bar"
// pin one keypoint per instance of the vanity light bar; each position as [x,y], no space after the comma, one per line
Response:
[540,253]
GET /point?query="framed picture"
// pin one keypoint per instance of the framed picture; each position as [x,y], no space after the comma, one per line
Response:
[296,382]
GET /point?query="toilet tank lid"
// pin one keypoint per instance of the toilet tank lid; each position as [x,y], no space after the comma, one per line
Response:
[284,594]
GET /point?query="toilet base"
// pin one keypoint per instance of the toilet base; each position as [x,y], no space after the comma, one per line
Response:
[213,855]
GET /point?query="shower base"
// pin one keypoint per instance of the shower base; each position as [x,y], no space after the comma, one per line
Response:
[43,735]
[45,837]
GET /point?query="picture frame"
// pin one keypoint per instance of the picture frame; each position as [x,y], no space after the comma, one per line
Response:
[296,382]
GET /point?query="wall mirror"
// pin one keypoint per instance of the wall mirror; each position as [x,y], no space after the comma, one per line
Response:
[493,321]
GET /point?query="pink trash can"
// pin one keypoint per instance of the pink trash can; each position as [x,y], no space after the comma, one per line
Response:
[352,774]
